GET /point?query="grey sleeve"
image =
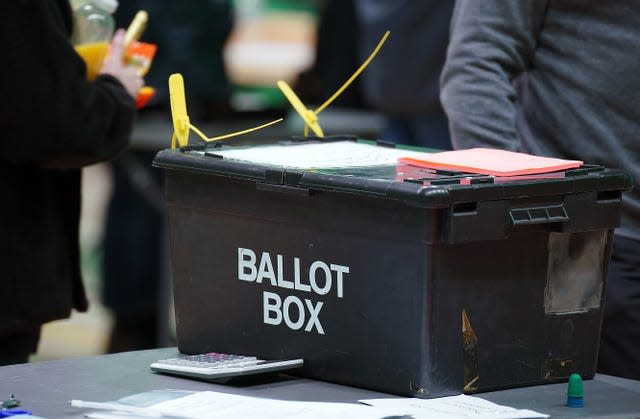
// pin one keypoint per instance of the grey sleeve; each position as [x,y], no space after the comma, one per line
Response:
[491,43]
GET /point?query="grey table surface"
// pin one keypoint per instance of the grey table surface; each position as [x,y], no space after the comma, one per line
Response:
[46,387]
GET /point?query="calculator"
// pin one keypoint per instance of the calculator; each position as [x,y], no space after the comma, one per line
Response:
[215,366]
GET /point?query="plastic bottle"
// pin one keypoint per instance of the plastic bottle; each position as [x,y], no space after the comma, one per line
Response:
[92,32]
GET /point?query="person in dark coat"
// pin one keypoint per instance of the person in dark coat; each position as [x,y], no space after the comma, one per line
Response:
[52,123]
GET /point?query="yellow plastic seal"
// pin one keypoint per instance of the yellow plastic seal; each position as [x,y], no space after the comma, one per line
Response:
[310,117]
[181,123]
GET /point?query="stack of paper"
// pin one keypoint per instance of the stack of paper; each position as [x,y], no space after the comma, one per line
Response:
[487,161]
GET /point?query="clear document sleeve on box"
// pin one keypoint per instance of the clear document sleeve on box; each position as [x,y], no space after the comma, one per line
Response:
[319,155]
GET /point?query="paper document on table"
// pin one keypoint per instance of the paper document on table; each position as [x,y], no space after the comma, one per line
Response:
[458,407]
[319,155]
[209,404]
[489,161]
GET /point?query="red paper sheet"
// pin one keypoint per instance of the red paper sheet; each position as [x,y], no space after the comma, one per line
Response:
[488,161]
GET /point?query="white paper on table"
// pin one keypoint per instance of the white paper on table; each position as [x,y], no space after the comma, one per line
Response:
[209,404]
[99,414]
[319,155]
[459,407]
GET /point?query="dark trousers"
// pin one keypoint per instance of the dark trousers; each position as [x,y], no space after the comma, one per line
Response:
[16,347]
[620,340]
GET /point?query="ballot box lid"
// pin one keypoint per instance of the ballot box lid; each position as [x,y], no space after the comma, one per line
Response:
[308,163]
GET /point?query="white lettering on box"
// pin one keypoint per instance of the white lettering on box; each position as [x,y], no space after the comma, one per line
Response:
[340,270]
[266,270]
[327,277]
[288,317]
[314,312]
[272,304]
[294,311]
[283,283]
[296,277]
[244,263]
[275,311]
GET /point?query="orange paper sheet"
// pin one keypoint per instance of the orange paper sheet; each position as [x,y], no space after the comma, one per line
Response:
[489,161]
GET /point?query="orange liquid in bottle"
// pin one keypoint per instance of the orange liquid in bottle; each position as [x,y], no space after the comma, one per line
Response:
[93,55]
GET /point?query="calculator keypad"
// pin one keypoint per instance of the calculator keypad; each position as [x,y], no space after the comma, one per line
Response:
[211,360]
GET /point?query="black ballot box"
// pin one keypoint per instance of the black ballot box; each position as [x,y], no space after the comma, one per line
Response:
[405,280]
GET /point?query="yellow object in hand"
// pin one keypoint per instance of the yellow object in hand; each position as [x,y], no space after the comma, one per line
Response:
[93,55]
[136,27]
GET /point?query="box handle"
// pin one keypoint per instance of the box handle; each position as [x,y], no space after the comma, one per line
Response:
[538,215]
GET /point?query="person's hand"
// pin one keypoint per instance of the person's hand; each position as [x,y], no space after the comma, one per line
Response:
[114,66]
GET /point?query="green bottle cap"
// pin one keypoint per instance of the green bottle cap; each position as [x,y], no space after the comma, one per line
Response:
[575,388]
[575,391]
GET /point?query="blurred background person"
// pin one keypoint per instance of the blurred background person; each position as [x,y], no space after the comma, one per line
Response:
[336,57]
[135,268]
[559,79]
[190,37]
[52,123]
[402,82]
